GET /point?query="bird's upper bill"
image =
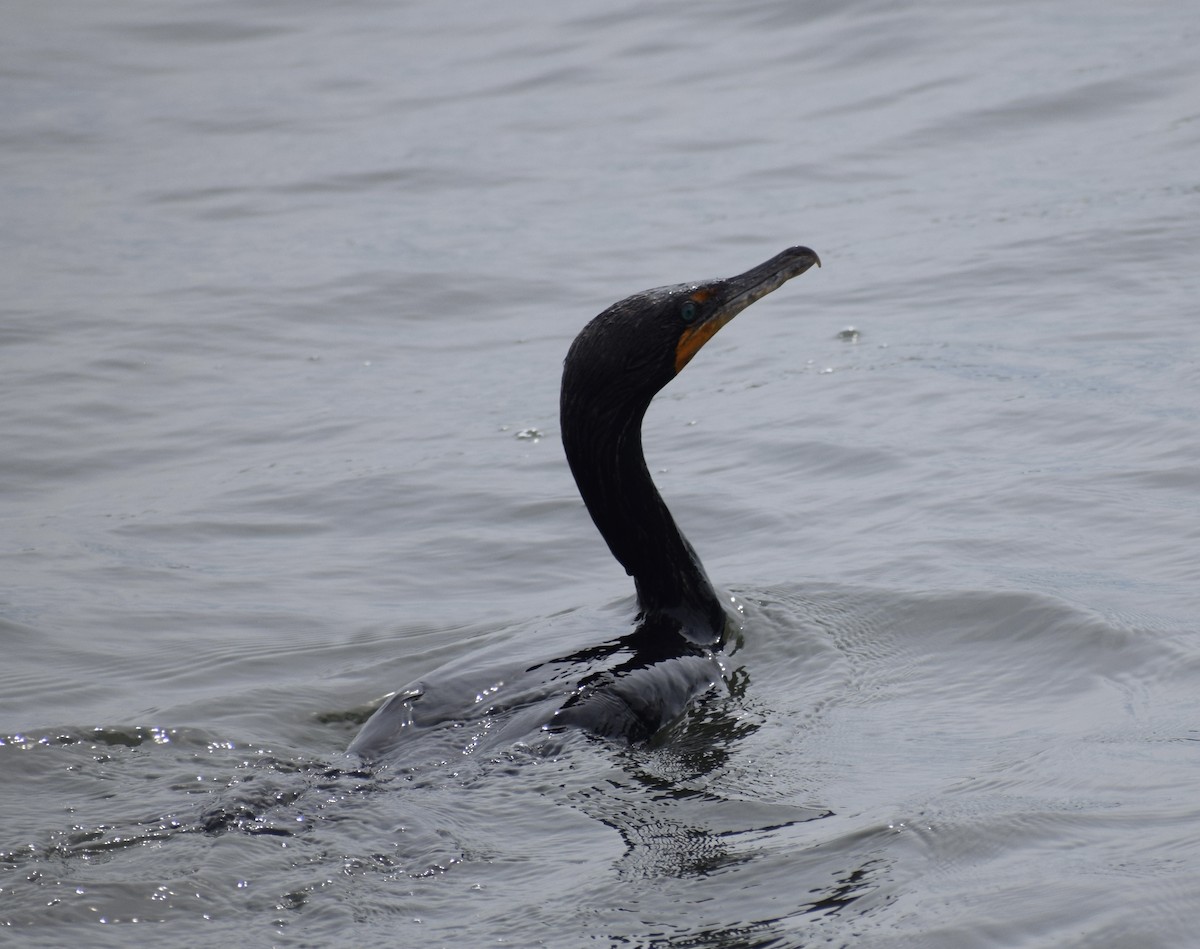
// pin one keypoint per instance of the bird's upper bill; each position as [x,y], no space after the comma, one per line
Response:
[739,293]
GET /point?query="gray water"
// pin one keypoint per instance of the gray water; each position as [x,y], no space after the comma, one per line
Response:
[286,291]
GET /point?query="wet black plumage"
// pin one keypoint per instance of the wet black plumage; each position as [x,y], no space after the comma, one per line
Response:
[630,687]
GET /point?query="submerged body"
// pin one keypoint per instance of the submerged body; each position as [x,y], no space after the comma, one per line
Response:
[631,687]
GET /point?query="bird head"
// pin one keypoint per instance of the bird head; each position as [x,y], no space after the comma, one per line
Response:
[635,347]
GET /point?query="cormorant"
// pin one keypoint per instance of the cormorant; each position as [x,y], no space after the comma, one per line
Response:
[615,366]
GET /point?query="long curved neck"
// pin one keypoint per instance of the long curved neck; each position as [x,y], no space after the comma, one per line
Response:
[610,471]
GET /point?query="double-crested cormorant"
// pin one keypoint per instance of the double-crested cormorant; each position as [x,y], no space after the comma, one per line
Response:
[616,365]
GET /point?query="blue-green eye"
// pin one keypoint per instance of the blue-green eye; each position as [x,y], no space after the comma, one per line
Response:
[688,311]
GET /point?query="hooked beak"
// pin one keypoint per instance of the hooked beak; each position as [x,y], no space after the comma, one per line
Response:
[743,290]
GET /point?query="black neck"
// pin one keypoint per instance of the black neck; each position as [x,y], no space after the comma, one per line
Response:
[625,505]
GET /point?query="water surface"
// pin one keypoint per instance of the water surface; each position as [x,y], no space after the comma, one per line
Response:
[286,295]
